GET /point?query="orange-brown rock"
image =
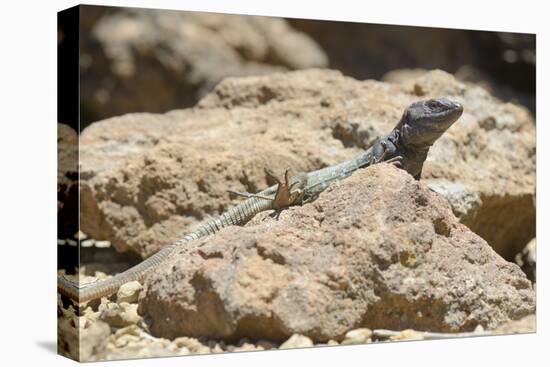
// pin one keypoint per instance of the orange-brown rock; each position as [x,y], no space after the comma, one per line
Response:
[376,250]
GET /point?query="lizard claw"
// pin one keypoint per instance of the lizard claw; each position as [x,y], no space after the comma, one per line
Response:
[384,154]
[287,177]
[271,175]
[396,161]
[238,193]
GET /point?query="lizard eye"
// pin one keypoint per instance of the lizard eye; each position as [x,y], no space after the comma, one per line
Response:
[434,104]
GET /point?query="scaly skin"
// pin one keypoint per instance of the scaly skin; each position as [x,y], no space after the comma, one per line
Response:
[420,126]
[405,146]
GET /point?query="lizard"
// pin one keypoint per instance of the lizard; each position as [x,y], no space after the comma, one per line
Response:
[406,146]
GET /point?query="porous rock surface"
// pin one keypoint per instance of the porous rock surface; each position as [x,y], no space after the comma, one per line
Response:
[376,250]
[148,178]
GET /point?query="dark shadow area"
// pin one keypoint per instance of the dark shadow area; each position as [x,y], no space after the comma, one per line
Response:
[504,63]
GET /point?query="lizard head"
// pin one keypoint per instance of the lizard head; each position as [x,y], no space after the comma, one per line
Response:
[424,122]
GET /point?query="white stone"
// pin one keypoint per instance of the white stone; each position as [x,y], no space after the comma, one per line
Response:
[297,341]
[357,336]
[102,244]
[129,292]
[87,243]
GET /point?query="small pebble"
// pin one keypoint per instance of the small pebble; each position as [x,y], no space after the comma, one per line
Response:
[357,336]
[216,348]
[243,341]
[266,344]
[193,344]
[72,243]
[183,351]
[247,347]
[61,242]
[87,243]
[120,315]
[102,244]
[407,334]
[82,321]
[479,329]
[297,341]
[80,235]
[125,339]
[128,330]
[230,348]
[215,344]
[129,292]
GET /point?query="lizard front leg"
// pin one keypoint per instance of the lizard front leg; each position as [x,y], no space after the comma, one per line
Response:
[290,191]
[384,148]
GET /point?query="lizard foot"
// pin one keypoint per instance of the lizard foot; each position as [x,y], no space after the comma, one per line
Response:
[249,195]
[289,192]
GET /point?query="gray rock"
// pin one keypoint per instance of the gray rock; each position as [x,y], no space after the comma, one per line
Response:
[465,202]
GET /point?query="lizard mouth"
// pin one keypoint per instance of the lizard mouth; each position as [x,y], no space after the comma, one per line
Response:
[442,110]
[436,114]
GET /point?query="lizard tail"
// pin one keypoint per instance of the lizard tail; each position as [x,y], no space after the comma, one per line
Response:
[111,285]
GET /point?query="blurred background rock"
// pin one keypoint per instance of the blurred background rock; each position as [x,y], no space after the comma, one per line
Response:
[142,60]
[139,60]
